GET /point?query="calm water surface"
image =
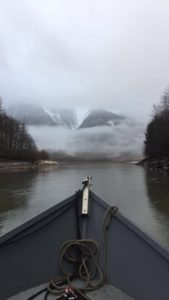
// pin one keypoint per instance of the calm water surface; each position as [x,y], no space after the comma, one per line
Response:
[142,196]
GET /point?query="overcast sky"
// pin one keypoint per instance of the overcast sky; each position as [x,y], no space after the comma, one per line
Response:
[85,53]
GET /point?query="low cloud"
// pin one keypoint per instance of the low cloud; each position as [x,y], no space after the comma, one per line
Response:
[115,142]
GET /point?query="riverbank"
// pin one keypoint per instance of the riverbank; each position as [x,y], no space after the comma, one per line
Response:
[48,164]
[160,164]
[7,165]
[84,161]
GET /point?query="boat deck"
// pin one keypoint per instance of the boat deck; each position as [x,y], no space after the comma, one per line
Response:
[107,292]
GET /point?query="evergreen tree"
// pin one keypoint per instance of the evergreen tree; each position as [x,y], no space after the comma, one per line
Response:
[157,133]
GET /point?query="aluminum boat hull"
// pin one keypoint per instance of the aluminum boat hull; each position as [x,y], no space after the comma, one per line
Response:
[137,264]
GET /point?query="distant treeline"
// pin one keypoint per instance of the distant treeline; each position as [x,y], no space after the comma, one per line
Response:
[84,157]
[157,133]
[15,142]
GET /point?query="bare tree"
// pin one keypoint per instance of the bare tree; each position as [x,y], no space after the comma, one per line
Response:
[15,141]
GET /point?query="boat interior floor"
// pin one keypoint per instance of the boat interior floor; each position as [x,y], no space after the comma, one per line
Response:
[107,292]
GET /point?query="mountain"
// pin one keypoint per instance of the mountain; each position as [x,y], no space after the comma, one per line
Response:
[38,115]
[99,134]
[101,118]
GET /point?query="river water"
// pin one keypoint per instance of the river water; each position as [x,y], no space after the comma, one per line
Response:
[141,195]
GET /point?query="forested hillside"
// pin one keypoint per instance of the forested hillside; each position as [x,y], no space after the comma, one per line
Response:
[157,134]
[15,142]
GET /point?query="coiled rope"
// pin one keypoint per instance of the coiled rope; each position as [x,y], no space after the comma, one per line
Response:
[84,255]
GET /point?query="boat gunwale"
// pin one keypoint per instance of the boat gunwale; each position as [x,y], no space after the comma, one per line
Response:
[147,238]
[151,241]
[34,220]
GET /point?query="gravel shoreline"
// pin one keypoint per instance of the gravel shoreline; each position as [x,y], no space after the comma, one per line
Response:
[22,165]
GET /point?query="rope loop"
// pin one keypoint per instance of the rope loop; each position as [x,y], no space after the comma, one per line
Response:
[80,259]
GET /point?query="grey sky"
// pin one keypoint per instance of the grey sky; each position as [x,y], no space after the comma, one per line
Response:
[85,53]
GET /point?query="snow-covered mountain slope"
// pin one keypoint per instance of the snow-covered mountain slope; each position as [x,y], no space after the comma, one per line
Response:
[40,115]
[101,118]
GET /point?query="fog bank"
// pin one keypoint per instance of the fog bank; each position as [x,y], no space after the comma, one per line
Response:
[116,142]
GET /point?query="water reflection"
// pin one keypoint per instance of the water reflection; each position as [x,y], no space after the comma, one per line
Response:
[14,192]
[157,185]
[158,191]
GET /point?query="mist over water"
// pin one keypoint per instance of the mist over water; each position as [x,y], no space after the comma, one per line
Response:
[124,140]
